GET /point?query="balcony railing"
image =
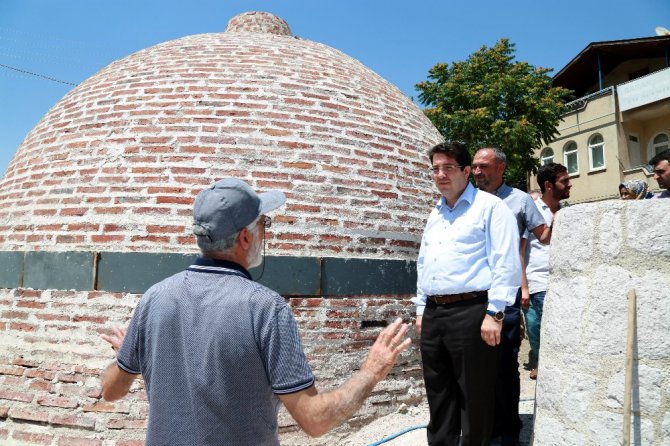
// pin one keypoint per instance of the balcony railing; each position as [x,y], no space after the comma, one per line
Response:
[580,104]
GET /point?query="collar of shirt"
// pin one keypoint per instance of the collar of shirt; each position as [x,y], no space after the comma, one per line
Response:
[544,205]
[468,196]
[217,266]
[503,191]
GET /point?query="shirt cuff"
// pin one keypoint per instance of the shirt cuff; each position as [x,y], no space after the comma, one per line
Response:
[501,297]
[420,302]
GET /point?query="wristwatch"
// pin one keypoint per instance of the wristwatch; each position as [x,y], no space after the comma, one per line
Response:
[498,316]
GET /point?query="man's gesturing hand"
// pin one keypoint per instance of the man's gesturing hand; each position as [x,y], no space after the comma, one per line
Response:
[385,350]
[116,339]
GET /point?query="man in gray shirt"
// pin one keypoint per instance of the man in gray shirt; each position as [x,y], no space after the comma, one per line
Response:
[488,168]
[218,352]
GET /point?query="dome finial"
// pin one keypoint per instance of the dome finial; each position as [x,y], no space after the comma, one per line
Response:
[259,22]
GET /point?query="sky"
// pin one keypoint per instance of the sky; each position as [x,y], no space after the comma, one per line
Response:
[64,42]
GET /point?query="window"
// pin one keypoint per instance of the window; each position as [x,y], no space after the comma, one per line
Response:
[659,144]
[546,157]
[634,150]
[597,152]
[570,158]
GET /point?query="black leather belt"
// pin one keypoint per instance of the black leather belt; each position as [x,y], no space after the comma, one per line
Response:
[451,298]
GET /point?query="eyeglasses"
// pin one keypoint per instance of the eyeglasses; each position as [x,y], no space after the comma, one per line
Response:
[446,168]
[267,221]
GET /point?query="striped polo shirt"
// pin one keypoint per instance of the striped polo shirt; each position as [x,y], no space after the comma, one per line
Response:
[215,349]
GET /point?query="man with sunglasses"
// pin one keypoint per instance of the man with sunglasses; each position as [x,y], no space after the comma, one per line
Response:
[468,270]
[218,351]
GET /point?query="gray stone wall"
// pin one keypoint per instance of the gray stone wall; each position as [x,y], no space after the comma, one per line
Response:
[599,252]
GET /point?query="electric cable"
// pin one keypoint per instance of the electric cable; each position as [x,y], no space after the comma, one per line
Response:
[37,75]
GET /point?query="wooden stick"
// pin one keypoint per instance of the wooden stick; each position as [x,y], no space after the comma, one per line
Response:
[628,390]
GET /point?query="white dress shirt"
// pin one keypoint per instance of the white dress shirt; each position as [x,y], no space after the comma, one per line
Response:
[473,246]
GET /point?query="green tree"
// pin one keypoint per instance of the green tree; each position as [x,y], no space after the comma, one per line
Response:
[492,100]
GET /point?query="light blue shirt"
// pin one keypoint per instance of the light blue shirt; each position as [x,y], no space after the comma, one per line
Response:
[521,204]
[473,246]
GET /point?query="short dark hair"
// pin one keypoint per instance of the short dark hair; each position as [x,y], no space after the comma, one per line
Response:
[664,155]
[455,150]
[549,172]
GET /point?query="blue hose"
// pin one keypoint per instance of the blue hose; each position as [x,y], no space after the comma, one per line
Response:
[420,426]
[402,432]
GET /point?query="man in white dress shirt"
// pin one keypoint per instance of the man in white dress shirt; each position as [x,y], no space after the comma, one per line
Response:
[468,270]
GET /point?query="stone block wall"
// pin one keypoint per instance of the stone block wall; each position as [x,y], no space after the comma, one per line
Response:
[599,252]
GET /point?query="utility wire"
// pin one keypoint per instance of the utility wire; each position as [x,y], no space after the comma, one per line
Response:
[37,75]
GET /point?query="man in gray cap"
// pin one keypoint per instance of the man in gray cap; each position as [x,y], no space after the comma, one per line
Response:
[218,352]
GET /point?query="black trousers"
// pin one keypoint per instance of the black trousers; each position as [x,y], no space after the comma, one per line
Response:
[508,387]
[459,371]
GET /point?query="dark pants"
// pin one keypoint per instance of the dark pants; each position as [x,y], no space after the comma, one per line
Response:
[508,387]
[459,371]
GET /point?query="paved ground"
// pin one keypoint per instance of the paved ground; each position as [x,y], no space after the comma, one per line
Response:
[409,417]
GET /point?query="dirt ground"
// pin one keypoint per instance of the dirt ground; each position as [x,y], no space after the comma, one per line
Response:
[407,418]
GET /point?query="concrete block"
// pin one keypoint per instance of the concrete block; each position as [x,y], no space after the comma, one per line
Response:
[645,234]
[552,432]
[606,429]
[610,233]
[653,307]
[58,270]
[549,388]
[368,276]
[606,319]
[563,311]
[574,228]
[642,432]
[290,276]
[649,388]
[665,430]
[577,394]
[12,269]
[615,389]
[135,272]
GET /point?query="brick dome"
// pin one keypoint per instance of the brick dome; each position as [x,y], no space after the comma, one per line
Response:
[115,164]
[113,168]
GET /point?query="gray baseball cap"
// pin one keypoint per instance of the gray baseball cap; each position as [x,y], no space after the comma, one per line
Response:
[227,206]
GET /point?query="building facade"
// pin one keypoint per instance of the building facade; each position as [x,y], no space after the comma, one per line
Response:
[620,119]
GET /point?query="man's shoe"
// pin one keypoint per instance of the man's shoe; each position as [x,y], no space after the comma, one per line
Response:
[533,374]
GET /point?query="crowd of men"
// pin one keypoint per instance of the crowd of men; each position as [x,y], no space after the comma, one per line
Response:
[472,274]
[218,352]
